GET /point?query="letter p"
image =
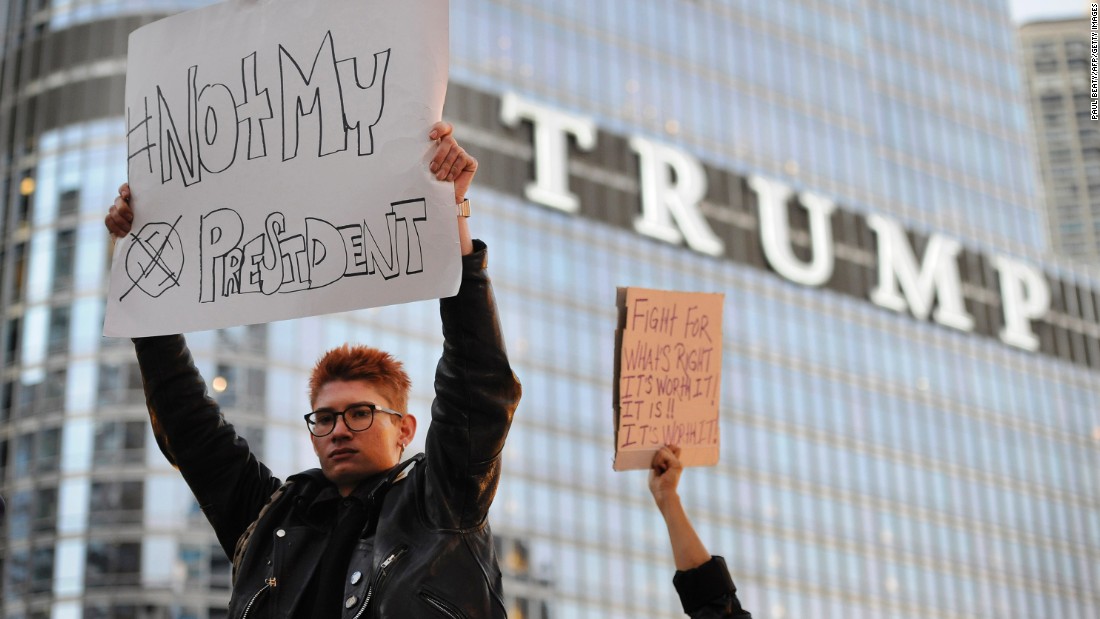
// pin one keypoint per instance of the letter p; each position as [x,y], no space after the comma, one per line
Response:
[1025,296]
[219,232]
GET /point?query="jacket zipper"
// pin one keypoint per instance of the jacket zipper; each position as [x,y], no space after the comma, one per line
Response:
[270,582]
[381,579]
[441,605]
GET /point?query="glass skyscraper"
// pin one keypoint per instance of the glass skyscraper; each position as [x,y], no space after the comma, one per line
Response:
[909,403]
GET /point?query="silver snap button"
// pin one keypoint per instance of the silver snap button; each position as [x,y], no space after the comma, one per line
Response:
[356,577]
[351,602]
[280,533]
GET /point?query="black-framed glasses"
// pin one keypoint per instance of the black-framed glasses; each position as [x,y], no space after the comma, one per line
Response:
[358,417]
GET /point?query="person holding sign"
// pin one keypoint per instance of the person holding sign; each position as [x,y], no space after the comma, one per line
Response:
[366,532]
[702,581]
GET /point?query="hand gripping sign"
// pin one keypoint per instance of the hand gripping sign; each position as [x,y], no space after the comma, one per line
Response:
[278,162]
[668,376]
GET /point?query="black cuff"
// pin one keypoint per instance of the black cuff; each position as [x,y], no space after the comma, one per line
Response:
[478,259]
[704,584]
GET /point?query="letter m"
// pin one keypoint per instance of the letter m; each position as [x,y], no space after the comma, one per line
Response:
[314,93]
[937,278]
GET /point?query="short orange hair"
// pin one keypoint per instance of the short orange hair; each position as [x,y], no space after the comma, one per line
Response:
[347,363]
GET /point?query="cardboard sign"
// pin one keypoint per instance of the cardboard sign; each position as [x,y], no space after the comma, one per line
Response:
[278,162]
[668,376]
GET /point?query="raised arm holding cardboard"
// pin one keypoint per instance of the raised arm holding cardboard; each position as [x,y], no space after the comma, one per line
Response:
[702,581]
[366,534]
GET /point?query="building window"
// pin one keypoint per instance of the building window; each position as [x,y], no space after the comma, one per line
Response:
[36,453]
[26,192]
[1077,49]
[1046,65]
[257,385]
[112,564]
[255,436]
[53,392]
[45,510]
[112,611]
[11,341]
[27,394]
[64,260]
[191,557]
[19,266]
[16,576]
[1051,103]
[7,392]
[248,338]
[220,568]
[47,457]
[68,203]
[41,570]
[537,590]
[119,442]
[20,506]
[120,383]
[58,334]
[116,502]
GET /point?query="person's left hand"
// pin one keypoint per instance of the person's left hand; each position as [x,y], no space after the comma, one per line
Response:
[120,216]
[451,162]
[664,474]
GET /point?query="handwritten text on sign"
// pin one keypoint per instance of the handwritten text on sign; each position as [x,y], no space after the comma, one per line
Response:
[278,156]
[669,376]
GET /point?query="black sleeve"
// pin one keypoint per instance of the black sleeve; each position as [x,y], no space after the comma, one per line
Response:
[476,394]
[708,592]
[230,484]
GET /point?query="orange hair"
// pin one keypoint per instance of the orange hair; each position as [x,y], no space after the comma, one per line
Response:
[347,363]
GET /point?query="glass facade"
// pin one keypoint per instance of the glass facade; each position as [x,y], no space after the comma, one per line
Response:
[874,464]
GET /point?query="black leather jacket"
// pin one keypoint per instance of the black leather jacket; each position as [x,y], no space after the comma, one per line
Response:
[431,553]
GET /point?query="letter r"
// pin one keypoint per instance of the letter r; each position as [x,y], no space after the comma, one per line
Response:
[664,201]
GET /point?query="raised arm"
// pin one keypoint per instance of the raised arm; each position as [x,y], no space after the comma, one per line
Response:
[702,581]
[229,483]
[688,550]
[476,391]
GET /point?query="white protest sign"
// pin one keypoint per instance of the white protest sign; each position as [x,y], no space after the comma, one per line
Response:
[278,162]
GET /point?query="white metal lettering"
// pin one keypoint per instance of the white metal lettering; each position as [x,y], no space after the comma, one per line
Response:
[673,184]
[775,232]
[1025,296]
[665,200]
[551,184]
[937,279]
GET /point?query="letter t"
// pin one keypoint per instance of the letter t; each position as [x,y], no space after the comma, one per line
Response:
[551,184]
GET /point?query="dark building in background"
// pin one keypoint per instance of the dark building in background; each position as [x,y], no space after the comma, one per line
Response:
[909,424]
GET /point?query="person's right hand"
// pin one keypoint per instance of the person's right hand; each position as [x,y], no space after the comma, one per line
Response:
[451,162]
[120,218]
[664,474]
